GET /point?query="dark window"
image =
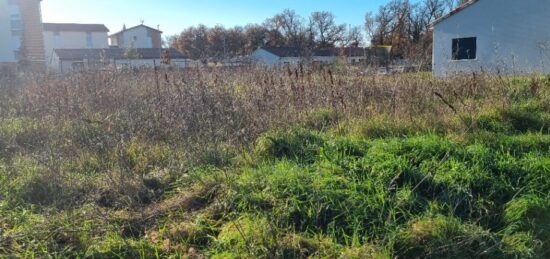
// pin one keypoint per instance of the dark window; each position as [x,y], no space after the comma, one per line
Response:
[464,48]
[89,41]
[16,23]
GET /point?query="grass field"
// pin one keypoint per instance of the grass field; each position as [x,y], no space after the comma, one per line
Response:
[274,164]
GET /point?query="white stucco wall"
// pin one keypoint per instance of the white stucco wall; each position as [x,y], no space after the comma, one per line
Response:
[513,37]
[265,58]
[72,40]
[141,40]
[66,66]
[8,43]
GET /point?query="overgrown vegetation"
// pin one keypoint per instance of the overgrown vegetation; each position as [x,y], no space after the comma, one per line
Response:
[292,163]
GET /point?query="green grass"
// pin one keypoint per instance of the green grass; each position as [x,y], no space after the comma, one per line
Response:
[330,183]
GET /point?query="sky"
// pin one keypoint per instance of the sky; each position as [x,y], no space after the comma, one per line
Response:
[174,15]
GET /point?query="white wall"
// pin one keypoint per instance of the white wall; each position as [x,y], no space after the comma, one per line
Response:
[513,37]
[8,43]
[66,66]
[181,63]
[266,58]
[263,57]
[72,40]
[141,40]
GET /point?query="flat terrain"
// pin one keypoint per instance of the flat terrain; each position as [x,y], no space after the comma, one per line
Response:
[290,163]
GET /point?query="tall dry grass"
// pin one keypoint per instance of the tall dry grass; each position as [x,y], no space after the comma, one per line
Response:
[236,105]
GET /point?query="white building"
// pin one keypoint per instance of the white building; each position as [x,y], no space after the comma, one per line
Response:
[140,36]
[73,36]
[277,56]
[494,36]
[20,23]
[69,60]
[281,56]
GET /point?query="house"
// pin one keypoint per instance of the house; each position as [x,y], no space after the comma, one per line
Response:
[280,56]
[493,36]
[140,36]
[21,32]
[277,56]
[68,60]
[73,36]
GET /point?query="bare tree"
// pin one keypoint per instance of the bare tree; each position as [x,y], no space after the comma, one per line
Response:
[217,46]
[325,29]
[290,25]
[406,26]
[193,42]
[353,37]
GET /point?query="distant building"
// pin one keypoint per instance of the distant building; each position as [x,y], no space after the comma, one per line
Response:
[21,32]
[140,36]
[69,60]
[495,36]
[73,36]
[280,56]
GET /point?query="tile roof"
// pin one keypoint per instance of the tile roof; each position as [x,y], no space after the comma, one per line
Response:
[112,53]
[453,12]
[75,27]
[131,28]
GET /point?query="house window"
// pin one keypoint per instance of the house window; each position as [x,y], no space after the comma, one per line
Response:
[135,38]
[16,25]
[464,48]
[89,42]
[56,40]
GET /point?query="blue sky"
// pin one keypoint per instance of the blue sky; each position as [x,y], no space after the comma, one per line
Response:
[175,15]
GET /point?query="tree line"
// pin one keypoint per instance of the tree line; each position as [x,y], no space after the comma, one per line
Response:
[399,23]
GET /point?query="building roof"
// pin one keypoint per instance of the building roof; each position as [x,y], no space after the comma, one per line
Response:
[131,28]
[75,27]
[285,51]
[453,12]
[113,53]
[321,52]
